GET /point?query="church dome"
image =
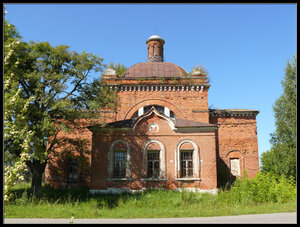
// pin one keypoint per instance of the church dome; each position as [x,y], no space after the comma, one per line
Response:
[155,67]
[155,70]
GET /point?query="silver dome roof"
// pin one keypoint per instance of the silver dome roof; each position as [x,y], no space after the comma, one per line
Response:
[155,37]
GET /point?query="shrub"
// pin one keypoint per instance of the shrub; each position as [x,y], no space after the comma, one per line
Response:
[265,187]
[284,191]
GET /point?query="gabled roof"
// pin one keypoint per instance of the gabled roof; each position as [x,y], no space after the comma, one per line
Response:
[155,111]
[174,123]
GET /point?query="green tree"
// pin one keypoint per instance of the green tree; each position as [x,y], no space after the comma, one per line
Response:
[281,159]
[47,90]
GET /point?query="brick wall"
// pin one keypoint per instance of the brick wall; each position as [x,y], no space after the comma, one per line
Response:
[184,97]
[137,139]
[236,138]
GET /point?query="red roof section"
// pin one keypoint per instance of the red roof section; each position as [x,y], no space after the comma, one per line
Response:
[182,123]
[155,69]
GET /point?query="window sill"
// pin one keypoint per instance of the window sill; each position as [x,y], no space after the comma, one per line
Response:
[154,179]
[119,179]
[188,179]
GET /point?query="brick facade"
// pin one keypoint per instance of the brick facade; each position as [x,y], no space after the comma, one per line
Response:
[163,113]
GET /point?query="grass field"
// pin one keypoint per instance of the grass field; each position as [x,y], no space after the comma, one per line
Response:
[78,203]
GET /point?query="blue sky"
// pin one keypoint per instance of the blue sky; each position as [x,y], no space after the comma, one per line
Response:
[244,47]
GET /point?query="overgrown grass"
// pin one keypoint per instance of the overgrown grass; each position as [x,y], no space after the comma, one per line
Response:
[263,194]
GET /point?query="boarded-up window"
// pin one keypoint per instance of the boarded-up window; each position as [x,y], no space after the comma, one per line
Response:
[235,166]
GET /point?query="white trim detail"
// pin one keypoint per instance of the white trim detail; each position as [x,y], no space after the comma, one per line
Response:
[153,110]
[153,127]
[167,111]
[141,111]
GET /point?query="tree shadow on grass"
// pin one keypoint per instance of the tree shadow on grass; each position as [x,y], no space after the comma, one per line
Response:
[73,195]
[55,195]
[112,201]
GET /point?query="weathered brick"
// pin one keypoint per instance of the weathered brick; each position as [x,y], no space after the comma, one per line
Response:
[187,97]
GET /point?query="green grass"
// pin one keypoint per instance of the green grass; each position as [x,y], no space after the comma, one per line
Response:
[65,203]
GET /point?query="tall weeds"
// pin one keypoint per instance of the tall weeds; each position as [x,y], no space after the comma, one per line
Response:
[265,187]
[264,193]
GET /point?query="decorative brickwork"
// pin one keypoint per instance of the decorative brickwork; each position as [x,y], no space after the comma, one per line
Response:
[155,49]
[178,142]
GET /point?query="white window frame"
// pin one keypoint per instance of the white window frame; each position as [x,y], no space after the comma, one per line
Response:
[167,111]
[141,111]
[161,158]
[196,161]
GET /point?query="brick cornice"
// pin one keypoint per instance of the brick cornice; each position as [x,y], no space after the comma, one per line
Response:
[232,112]
[159,87]
[120,80]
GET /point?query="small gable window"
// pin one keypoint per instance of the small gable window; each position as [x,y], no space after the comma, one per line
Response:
[161,109]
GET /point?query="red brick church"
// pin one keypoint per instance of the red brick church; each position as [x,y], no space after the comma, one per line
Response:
[162,134]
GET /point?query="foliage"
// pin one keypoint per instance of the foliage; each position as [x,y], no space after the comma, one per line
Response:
[47,90]
[200,69]
[12,174]
[281,158]
[119,68]
[265,187]
[17,134]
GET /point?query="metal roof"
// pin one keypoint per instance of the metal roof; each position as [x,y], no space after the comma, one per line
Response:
[155,69]
[155,37]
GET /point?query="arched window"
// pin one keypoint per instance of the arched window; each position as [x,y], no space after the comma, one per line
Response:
[119,160]
[162,109]
[187,159]
[154,159]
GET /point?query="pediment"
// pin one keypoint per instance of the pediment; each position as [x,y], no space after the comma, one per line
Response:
[153,122]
